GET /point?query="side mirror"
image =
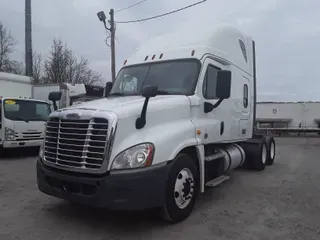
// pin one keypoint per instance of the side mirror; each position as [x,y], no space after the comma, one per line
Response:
[149,91]
[108,88]
[223,87]
[54,96]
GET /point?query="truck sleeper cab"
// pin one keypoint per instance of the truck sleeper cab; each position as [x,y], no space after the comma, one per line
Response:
[178,118]
[22,122]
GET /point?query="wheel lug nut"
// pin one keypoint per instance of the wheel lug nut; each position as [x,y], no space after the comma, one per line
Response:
[176,194]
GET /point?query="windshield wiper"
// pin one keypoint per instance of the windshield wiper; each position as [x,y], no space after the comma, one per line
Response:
[38,119]
[163,92]
[22,119]
[116,94]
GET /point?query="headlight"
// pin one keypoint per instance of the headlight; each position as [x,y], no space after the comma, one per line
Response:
[9,134]
[134,157]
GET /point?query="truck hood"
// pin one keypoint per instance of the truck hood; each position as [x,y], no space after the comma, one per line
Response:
[129,106]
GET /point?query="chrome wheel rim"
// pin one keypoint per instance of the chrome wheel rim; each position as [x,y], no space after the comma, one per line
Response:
[184,188]
[264,153]
[272,150]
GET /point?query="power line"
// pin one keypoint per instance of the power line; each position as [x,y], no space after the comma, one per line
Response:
[164,14]
[122,9]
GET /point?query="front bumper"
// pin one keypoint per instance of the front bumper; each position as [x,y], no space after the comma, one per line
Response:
[21,143]
[122,191]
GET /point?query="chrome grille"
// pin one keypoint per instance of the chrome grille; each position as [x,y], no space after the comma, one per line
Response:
[25,136]
[76,143]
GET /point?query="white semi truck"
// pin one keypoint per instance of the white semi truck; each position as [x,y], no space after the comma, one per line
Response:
[179,117]
[22,118]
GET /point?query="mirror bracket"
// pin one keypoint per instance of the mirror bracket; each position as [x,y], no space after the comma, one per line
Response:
[208,107]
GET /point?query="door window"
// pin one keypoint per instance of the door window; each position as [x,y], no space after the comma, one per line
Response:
[210,82]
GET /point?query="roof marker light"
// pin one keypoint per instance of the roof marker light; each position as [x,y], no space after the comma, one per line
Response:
[125,62]
[192,53]
[146,58]
[153,56]
[161,55]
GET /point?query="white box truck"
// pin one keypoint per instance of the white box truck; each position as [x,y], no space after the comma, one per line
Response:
[70,94]
[178,118]
[42,91]
[22,118]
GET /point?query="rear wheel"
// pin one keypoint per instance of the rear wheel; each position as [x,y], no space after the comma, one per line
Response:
[271,150]
[259,162]
[182,189]
[256,153]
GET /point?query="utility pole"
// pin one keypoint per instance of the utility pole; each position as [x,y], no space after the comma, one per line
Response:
[113,47]
[102,17]
[28,39]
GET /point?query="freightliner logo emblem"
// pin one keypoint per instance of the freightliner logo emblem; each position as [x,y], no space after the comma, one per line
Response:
[73,116]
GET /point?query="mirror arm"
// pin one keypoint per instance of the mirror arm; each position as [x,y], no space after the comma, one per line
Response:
[217,103]
[141,121]
[55,107]
[208,107]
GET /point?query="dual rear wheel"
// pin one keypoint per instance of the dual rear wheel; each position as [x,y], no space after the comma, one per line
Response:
[260,152]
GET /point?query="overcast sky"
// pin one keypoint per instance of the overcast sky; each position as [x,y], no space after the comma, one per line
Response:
[287,34]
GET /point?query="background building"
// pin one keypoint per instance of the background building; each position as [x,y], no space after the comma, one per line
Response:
[289,115]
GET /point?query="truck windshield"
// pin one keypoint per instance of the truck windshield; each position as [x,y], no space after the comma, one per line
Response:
[177,77]
[24,110]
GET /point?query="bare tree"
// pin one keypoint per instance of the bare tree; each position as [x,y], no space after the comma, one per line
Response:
[37,68]
[82,73]
[62,66]
[7,44]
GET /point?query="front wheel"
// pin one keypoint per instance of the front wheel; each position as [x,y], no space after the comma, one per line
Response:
[182,189]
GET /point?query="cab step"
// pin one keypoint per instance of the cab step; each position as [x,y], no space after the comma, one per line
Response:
[216,181]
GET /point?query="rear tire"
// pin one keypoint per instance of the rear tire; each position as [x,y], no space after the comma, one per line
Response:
[261,156]
[182,189]
[1,151]
[271,151]
[256,153]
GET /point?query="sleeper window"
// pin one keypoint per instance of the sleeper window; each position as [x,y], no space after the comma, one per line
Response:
[245,96]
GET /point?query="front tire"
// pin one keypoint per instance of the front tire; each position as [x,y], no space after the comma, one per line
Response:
[182,189]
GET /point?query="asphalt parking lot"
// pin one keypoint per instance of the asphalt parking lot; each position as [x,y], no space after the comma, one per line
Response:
[282,202]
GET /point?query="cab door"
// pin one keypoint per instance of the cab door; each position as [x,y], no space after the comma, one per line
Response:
[219,121]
